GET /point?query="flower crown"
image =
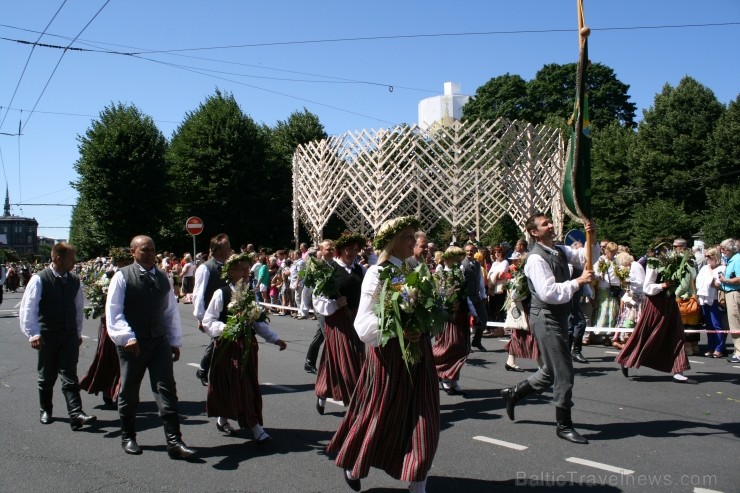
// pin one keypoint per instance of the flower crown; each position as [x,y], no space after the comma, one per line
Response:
[233,260]
[391,228]
[453,252]
[348,238]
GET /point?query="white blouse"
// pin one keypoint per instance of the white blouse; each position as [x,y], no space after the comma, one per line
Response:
[366,322]
[214,327]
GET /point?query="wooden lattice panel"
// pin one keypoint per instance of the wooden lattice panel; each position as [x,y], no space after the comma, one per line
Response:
[470,174]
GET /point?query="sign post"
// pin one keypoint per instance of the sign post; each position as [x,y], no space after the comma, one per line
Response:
[194,227]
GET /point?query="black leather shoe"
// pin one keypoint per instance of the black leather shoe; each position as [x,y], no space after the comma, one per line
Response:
[130,446]
[226,428]
[202,376]
[625,371]
[310,367]
[319,407]
[108,401]
[353,483]
[45,417]
[177,449]
[76,422]
[512,368]
[570,434]
[578,357]
[263,439]
[479,347]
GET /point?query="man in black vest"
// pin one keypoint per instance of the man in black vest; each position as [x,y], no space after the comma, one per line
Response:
[474,287]
[549,279]
[207,281]
[51,317]
[144,323]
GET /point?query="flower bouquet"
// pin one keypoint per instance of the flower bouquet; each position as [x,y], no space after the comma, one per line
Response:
[673,268]
[243,312]
[450,287]
[410,301]
[319,275]
[96,292]
[516,282]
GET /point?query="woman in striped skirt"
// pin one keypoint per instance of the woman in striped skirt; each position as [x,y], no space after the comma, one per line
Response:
[392,422]
[658,339]
[234,391]
[344,352]
[452,346]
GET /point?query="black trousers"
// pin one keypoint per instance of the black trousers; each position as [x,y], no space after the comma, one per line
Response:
[481,322]
[58,355]
[318,339]
[155,356]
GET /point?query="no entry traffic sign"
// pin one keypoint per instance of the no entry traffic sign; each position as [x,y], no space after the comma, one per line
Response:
[194,225]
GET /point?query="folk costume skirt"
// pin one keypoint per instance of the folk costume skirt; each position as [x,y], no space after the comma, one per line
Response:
[522,345]
[452,347]
[392,422]
[342,358]
[658,339]
[233,393]
[104,373]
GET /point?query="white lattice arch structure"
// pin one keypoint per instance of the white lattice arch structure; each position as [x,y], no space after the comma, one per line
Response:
[470,174]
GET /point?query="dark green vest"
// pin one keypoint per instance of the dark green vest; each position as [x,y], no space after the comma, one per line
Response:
[145,301]
[57,309]
[214,280]
[226,293]
[559,266]
[349,284]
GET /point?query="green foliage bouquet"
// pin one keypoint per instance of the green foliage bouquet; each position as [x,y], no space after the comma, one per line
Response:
[243,312]
[96,291]
[319,275]
[673,268]
[450,287]
[410,301]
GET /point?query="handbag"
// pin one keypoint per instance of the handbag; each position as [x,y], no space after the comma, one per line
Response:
[516,319]
[689,308]
[722,299]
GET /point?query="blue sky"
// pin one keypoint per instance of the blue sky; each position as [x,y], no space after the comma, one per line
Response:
[345,83]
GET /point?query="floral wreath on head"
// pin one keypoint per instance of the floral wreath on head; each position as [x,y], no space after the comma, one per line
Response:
[118,254]
[453,252]
[233,260]
[391,228]
[348,238]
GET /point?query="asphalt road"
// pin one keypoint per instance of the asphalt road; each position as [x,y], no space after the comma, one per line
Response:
[646,433]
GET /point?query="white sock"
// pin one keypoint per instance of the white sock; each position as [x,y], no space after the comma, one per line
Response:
[222,421]
[418,486]
[257,431]
[679,376]
[322,402]
[511,361]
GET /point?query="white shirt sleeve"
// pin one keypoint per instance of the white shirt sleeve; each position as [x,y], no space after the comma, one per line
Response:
[119,330]
[199,292]
[263,330]
[650,287]
[324,306]
[79,313]
[543,280]
[29,310]
[211,324]
[637,277]
[366,322]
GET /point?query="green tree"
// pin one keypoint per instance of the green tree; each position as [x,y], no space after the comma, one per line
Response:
[720,222]
[218,165]
[658,218]
[725,147]
[552,93]
[672,153]
[612,195]
[121,171]
[504,96]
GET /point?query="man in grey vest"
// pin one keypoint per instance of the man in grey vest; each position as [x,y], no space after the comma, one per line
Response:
[475,289]
[552,288]
[144,323]
[208,281]
[51,318]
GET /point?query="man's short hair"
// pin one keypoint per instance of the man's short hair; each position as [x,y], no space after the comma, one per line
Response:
[679,242]
[61,249]
[532,221]
[217,241]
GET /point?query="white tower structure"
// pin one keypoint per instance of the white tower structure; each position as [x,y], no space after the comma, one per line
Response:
[442,110]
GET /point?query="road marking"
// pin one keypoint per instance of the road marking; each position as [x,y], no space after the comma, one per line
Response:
[736,366]
[697,362]
[194,365]
[85,337]
[280,387]
[502,443]
[599,465]
[17,305]
[611,352]
[705,490]
[338,403]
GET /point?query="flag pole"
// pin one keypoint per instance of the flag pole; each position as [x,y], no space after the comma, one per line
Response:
[583,33]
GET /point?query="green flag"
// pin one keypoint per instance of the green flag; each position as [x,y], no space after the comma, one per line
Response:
[577,176]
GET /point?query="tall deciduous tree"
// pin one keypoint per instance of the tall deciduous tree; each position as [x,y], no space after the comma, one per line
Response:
[218,165]
[673,153]
[503,96]
[121,183]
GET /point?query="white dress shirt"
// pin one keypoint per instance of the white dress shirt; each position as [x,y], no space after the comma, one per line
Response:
[214,327]
[366,322]
[538,271]
[202,275]
[637,277]
[29,310]
[650,287]
[120,331]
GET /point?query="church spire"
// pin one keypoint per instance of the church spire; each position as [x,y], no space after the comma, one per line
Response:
[7,202]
